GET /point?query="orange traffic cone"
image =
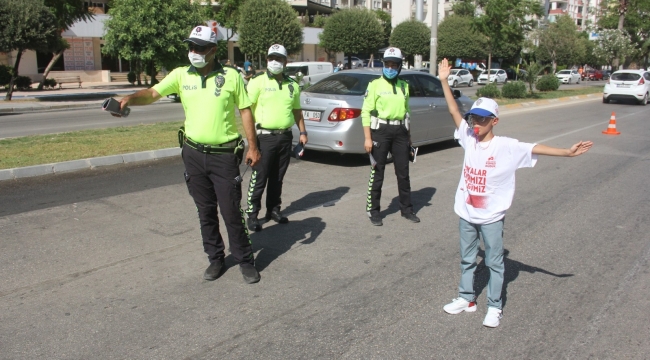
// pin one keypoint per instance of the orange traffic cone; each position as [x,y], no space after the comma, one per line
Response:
[611,128]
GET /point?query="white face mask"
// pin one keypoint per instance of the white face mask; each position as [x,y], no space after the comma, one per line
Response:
[197,60]
[275,67]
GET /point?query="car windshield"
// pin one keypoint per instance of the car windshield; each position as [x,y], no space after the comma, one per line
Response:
[564,72]
[293,70]
[625,76]
[454,72]
[343,84]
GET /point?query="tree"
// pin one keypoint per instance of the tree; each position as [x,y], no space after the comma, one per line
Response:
[385,21]
[263,23]
[228,16]
[150,32]
[456,39]
[26,25]
[352,31]
[411,37]
[589,57]
[533,71]
[66,13]
[506,22]
[613,46]
[636,23]
[558,42]
[464,8]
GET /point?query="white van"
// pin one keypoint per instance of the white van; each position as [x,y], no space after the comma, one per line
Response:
[309,72]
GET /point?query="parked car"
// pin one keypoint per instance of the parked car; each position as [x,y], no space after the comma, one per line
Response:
[496,76]
[628,85]
[606,74]
[592,75]
[459,77]
[356,62]
[568,76]
[375,63]
[307,73]
[332,110]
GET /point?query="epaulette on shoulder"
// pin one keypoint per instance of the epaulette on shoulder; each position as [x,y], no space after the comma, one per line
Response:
[258,74]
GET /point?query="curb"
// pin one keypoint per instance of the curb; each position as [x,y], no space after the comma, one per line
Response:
[49,108]
[550,101]
[91,163]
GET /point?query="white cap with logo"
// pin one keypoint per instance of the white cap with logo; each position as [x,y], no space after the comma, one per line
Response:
[277,49]
[393,54]
[202,35]
[484,107]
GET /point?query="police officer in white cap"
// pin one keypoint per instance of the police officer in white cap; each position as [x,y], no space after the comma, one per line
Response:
[385,118]
[212,147]
[276,107]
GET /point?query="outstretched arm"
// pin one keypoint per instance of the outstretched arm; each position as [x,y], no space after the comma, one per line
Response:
[575,150]
[443,73]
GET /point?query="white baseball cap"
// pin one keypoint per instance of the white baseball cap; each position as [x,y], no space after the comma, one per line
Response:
[277,49]
[484,107]
[393,54]
[202,35]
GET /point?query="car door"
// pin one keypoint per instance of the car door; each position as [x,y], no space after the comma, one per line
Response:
[465,76]
[420,110]
[501,74]
[438,123]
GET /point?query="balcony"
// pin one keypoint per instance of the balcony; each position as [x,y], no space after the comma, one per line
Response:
[557,12]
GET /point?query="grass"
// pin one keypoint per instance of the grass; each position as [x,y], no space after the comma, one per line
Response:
[46,149]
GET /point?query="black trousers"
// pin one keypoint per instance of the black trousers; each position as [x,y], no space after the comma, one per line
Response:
[269,173]
[393,139]
[211,182]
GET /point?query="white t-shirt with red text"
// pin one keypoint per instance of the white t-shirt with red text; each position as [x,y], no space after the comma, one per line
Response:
[487,181]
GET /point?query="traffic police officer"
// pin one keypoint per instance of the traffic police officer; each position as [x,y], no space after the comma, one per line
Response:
[212,147]
[385,121]
[276,107]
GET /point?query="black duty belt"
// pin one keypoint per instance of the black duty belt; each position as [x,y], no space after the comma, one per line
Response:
[228,147]
[262,131]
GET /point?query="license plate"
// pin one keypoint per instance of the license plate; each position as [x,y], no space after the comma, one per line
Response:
[623,86]
[312,115]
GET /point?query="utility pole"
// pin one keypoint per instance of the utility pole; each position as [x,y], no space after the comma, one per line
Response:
[433,54]
[417,58]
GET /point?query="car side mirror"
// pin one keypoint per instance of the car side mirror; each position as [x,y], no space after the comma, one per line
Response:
[457,94]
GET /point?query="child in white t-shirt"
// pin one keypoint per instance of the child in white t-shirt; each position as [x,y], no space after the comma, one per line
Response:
[485,192]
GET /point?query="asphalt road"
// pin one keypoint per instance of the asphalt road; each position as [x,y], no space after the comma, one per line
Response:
[108,263]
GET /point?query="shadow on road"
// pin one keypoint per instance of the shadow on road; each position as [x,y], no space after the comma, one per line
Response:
[317,198]
[512,270]
[420,198]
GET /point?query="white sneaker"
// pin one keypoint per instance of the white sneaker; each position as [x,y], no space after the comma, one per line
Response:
[492,317]
[458,305]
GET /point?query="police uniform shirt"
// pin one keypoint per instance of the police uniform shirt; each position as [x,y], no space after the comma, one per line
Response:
[274,102]
[209,102]
[390,101]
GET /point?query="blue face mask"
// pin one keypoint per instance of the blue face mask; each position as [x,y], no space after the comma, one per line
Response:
[390,73]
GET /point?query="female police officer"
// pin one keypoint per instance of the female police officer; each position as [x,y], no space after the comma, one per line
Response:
[385,125]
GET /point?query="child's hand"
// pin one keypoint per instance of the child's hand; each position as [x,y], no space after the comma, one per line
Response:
[444,69]
[580,148]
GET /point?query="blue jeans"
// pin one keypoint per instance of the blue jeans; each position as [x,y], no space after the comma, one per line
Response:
[492,235]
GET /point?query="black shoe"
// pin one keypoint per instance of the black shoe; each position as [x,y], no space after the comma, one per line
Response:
[254,224]
[411,217]
[214,270]
[376,220]
[276,216]
[251,275]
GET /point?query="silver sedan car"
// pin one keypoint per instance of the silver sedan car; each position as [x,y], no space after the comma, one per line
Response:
[332,110]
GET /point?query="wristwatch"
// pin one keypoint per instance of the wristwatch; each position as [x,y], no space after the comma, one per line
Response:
[303,133]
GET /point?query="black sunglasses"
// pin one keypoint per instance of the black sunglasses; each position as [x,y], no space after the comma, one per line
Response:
[477,119]
[198,48]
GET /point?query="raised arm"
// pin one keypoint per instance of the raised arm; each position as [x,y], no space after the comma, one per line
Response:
[443,73]
[575,150]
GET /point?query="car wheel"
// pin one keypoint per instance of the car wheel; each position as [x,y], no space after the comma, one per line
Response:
[605,100]
[454,84]
[470,83]
[644,101]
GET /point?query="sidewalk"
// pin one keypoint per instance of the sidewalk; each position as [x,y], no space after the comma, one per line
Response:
[93,94]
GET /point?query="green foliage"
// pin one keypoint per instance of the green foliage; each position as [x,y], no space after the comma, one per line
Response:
[5,75]
[385,22]
[514,90]
[152,30]
[489,91]
[533,71]
[464,8]
[613,45]
[67,12]
[263,23]
[457,39]
[228,15]
[411,37]
[547,83]
[590,57]
[636,24]
[352,31]
[320,21]
[559,42]
[49,83]
[26,25]
[131,77]
[23,83]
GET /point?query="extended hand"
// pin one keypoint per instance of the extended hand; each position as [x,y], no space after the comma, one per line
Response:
[303,139]
[253,157]
[444,69]
[580,148]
